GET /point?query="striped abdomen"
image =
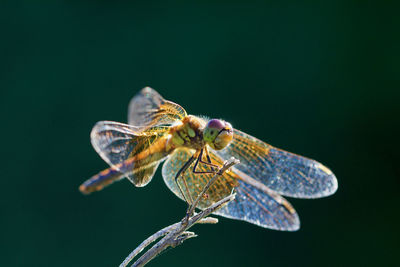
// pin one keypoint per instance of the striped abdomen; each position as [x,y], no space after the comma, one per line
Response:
[101,180]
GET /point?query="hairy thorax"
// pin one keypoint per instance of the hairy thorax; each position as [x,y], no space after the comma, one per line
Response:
[188,133]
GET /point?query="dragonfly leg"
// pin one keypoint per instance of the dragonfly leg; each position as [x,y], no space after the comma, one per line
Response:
[179,174]
[209,160]
[199,159]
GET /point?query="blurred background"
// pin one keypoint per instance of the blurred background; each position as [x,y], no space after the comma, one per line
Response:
[318,79]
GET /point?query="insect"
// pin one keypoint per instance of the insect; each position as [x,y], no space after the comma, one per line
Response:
[193,148]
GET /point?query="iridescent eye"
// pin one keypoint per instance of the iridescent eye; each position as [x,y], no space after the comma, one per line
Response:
[216,124]
[217,134]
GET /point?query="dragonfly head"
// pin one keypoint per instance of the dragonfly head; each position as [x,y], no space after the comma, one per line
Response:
[218,134]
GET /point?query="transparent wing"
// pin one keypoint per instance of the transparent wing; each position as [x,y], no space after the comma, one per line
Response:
[129,150]
[148,108]
[286,173]
[222,187]
[263,208]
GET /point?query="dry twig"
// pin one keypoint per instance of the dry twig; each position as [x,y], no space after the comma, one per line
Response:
[177,233]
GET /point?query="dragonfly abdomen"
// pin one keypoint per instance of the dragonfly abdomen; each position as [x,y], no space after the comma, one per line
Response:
[100,180]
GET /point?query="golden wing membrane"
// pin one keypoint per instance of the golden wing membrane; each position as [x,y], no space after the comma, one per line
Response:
[148,109]
[133,152]
[221,188]
[261,207]
[286,173]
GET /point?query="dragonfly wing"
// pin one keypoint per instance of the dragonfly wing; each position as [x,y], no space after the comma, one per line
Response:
[143,176]
[286,173]
[148,108]
[262,207]
[113,140]
[221,188]
[126,148]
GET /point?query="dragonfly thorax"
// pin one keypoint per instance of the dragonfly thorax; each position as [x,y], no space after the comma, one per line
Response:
[195,133]
[188,133]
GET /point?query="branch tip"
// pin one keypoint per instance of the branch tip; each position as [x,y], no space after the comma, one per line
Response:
[177,233]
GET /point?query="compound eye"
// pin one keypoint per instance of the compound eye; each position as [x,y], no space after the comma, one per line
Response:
[216,124]
[218,134]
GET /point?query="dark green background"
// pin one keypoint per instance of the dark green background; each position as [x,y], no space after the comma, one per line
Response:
[318,79]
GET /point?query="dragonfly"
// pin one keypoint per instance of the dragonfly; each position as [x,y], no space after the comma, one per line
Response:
[192,149]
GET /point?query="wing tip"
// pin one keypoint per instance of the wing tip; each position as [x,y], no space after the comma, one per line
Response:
[94,136]
[147,88]
[335,185]
[294,223]
[331,181]
[292,226]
